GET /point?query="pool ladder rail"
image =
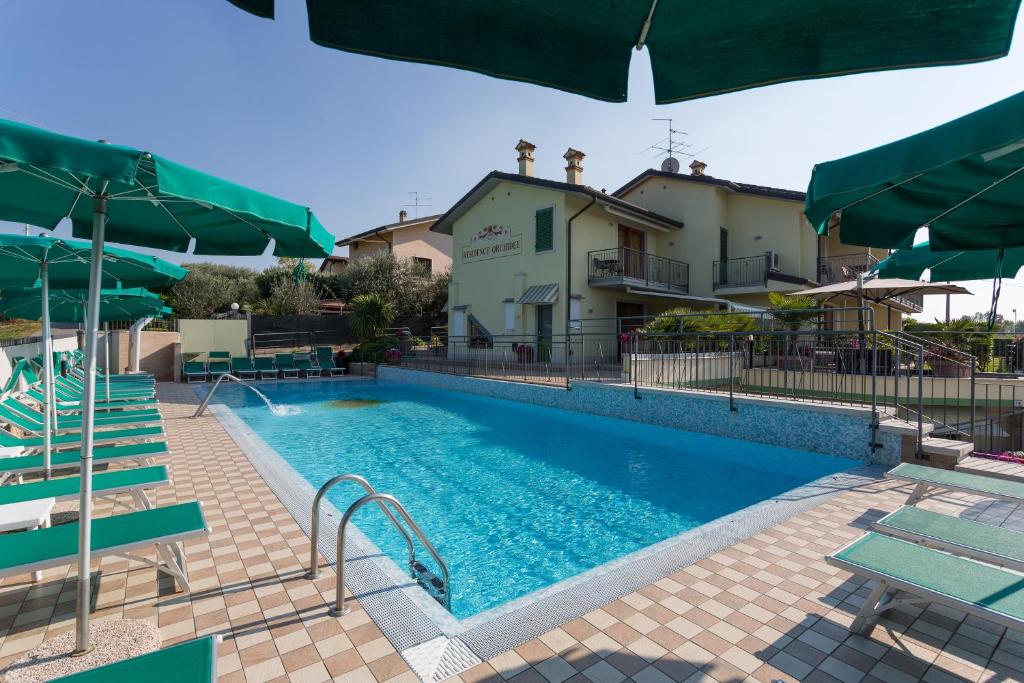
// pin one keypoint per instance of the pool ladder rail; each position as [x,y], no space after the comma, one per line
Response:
[438,587]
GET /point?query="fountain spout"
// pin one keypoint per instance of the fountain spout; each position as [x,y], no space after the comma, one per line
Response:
[206,401]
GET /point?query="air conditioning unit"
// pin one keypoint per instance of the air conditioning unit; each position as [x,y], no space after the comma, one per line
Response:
[774,261]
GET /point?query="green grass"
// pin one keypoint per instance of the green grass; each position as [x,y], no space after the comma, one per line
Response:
[17,329]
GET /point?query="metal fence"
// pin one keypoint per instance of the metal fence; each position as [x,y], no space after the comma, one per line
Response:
[741,272]
[828,356]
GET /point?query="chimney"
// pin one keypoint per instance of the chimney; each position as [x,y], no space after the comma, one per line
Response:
[697,167]
[525,159]
[573,166]
[402,215]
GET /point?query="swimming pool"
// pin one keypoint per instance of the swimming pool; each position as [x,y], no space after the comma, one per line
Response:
[516,497]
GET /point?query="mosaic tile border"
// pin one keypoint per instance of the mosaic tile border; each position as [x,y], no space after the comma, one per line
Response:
[409,617]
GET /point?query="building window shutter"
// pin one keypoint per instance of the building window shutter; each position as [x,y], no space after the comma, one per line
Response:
[545,237]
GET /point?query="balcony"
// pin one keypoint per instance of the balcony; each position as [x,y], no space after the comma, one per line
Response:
[621,268]
[844,268]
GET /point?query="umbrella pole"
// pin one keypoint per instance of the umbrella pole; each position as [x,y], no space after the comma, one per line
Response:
[47,368]
[99,217]
[106,354]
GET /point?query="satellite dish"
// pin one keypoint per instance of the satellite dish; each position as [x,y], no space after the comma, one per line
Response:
[670,165]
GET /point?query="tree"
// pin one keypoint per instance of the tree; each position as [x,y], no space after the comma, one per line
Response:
[211,288]
[291,298]
[413,291]
[793,311]
[371,315]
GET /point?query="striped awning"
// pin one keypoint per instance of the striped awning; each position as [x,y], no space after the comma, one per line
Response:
[539,294]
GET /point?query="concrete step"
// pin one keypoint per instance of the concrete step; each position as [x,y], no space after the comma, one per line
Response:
[946,447]
[888,423]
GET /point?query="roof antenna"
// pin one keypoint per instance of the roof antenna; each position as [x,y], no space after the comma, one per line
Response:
[417,202]
[670,148]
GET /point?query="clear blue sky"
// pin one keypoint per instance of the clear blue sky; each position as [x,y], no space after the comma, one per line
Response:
[254,101]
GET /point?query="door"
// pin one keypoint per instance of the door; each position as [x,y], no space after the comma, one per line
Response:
[632,248]
[544,320]
[630,317]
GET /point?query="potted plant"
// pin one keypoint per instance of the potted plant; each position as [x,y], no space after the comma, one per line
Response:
[393,357]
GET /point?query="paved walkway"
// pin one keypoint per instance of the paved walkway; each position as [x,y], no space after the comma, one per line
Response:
[763,610]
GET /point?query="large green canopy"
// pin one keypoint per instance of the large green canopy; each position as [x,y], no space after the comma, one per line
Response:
[151,201]
[67,264]
[963,180]
[696,48]
[951,266]
[68,305]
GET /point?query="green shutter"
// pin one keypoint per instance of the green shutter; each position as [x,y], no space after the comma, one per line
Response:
[545,237]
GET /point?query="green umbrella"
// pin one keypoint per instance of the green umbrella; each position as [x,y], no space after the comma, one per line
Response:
[696,48]
[68,305]
[26,260]
[950,266]
[963,180]
[134,197]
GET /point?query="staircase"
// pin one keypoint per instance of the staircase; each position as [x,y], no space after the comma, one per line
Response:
[938,452]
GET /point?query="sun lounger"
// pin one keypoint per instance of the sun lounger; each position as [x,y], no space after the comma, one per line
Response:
[21,465]
[242,368]
[218,367]
[36,395]
[325,359]
[142,416]
[286,364]
[57,546]
[931,480]
[265,367]
[75,438]
[927,575]
[17,417]
[75,390]
[193,661]
[194,370]
[956,535]
[304,364]
[132,481]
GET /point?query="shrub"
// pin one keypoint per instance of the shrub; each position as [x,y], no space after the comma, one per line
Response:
[371,315]
[678,321]
[374,350]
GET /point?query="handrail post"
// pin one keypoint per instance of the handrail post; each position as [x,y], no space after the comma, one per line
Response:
[732,379]
[974,408]
[314,538]
[920,401]
[339,608]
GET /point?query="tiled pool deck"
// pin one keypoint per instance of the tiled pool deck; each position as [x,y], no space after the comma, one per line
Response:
[763,610]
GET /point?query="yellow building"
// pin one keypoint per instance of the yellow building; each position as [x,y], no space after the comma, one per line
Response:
[662,241]
[408,238]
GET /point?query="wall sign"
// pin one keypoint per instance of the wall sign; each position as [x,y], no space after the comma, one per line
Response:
[494,241]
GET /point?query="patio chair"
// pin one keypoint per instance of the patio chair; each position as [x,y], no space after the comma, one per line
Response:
[131,481]
[70,439]
[925,575]
[193,661]
[265,367]
[956,535]
[57,546]
[194,370]
[218,363]
[285,362]
[131,391]
[242,368]
[325,359]
[143,453]
[303,363]
[930,480]
[75,405]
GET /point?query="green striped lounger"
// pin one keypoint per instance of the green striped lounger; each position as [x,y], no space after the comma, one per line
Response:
[132,481]
[194,661]
[931,480]
[26,464]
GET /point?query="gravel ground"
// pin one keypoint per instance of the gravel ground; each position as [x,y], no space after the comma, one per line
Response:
[113,640]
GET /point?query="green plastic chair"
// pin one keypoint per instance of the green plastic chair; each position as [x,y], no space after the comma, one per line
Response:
[285,362]
[265,367]
[194,370]
[242,368]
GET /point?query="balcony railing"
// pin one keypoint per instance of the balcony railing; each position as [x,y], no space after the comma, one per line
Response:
[622,266]
[751,271]
[844,268]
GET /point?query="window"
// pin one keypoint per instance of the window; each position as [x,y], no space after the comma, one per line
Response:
[575,323]
[459,323]
[426,264]
[544,239]
[510,315]
[354,245]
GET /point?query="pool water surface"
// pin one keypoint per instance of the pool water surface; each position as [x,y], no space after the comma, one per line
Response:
[515,496]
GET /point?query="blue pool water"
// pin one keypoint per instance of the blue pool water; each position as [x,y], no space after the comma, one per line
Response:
[516,497]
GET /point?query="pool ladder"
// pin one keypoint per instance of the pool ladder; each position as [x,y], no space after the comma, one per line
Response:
[438,587]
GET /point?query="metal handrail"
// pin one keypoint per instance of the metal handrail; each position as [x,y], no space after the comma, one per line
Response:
[206,401]
[314,566]
[339,608]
